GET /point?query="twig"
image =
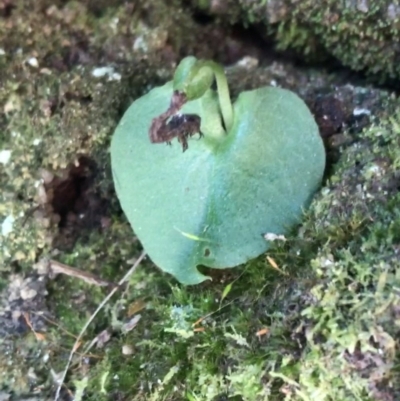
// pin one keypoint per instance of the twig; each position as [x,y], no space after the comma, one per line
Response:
[89,321]
[58,267]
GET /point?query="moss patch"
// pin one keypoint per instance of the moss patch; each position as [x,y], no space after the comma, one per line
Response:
[362,35]
[325,325]
[326,328]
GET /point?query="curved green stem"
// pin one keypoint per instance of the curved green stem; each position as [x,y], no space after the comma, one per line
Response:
[194,77]
[224,97]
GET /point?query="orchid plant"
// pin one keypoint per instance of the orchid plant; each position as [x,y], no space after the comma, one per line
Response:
[232,172]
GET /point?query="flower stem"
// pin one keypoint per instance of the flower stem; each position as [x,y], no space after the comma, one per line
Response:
[194,77]
[224,97]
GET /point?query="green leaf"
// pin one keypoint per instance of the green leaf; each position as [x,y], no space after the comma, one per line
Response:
[212,204]
[226,291]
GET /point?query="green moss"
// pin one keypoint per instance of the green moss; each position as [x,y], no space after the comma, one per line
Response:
[360,39]
[55,110]
[363,39]
[329,321]
[362,35]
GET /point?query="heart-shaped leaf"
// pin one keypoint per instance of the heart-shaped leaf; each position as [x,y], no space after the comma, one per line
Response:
[212,204]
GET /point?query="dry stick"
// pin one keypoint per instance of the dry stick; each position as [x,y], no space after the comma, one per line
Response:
[106,299]
[58,267]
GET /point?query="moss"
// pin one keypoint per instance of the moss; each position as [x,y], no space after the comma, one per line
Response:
[326,320]
[361,35]
[69,69]
[330,322]
[351,348]
[56,110]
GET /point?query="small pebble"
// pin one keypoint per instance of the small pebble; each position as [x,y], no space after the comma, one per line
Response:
[7,225]
[33,62]
[28,293]
[127,349]
[5,156]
